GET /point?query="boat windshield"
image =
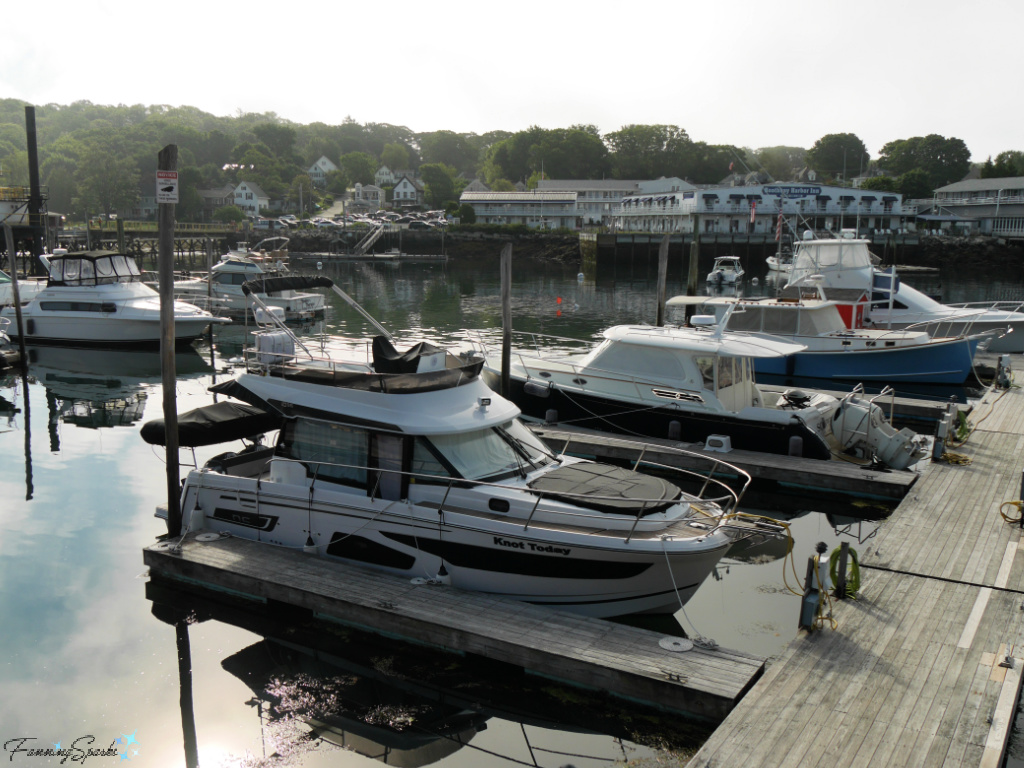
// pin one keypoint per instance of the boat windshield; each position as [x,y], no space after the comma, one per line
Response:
[116,268]
[493,453]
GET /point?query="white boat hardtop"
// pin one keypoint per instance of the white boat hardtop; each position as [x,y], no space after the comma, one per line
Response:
[714,340]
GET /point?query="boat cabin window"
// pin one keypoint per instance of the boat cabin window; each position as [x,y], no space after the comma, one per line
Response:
[781,320]
[116,268]
[746,319]
[706,366]
[637,361]
[335,452]
[488,454]
[231,278]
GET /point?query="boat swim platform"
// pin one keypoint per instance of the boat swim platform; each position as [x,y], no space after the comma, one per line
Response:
[838,477]
[924,667]
[597,654]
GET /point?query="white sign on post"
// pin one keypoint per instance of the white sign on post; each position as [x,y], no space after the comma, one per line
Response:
[167,186]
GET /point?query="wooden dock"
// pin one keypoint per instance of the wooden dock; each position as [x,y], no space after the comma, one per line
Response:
[924,668]
[625,661]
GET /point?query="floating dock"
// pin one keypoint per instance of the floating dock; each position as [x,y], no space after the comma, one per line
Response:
[839,478]
[628,662]
[924,667]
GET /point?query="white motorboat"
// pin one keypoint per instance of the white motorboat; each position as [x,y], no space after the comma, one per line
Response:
[409,463]
[221,290]
[27,289]
[848,264]
[780,262]
[727,270]
[694,383]
[98,298]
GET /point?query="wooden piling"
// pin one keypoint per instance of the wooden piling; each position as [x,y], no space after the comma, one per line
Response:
[167,160]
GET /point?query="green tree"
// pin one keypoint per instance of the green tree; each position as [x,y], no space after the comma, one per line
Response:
[107,180]
[779,162]
[502,185]
[466,214]
[190,202]
[395,156]
[440,182]
[301,191]
[881,184]
[838,156]
[916,184]
[359,167]
[646,151]
[942,160]
[457,150]
[229,213]
[1006,164]
[279,138]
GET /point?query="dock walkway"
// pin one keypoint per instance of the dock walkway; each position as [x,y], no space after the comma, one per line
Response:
[916,671]
[625,661]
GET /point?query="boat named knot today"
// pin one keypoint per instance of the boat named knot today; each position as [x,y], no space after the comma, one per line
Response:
[408,463]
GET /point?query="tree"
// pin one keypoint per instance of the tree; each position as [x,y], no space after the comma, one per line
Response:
[881,184]
[280,139]
[915,183]
[300,192]
[359,167]
[466,214]
[457,150]
[107,180]
[838,156]
[779,162]
[942,160]
[647,151]
[502,185]
[440,181]
[229,213]
[1006,164]
[395,156]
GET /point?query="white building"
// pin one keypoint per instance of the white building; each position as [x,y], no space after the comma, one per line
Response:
[536,209]
[319,170]
[366,198]
[384,177]
[250,198]
[595,198]
[755,209]
[408,193]
[988,206]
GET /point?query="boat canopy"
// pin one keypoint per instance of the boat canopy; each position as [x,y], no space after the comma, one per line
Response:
[92,268]
[605,489]
[213,424]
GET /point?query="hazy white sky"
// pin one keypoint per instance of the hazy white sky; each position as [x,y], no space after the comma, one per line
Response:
[753,74]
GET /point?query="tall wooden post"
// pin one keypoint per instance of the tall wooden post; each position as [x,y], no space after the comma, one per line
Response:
[167,160]
[691,278]
[120,233]
[662,279]
[506,318]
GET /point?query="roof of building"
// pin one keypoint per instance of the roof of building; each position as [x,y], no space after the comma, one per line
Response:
[509,197]
[581,185]
[985,185]
[254,188]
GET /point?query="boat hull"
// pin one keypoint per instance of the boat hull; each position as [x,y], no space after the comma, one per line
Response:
[933,363]
[88,329]
[593,575]
[588,411]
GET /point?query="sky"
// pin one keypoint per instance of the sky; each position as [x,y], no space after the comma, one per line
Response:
[751,74]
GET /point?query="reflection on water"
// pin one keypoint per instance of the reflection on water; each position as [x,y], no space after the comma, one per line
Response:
[314,686]
[85,656]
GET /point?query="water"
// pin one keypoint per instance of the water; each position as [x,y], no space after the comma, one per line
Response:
[86,654]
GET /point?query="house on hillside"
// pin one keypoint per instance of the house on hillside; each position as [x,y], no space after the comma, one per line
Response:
[215,199]
[319,170]
[250,198]
[364,198]
[408,193]
[384,177]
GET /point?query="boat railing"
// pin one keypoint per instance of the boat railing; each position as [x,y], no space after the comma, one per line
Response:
[713,509]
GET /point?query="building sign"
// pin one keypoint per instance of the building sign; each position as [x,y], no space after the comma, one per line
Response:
[167,186]
[802,191]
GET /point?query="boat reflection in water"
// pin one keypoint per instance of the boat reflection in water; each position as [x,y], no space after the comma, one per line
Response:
[318,685]
[98,388]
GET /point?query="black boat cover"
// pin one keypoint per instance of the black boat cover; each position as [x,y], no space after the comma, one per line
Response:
[213,424]
[387,359]
[285,283]
[606,488]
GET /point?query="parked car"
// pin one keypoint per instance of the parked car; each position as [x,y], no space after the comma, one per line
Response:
[420,225]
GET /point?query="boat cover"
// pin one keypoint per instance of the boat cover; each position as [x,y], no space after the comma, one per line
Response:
[285,283]
[608,489]
[213,424]
[387,359]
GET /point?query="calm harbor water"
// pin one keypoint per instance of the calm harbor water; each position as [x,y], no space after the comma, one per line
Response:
[86,654]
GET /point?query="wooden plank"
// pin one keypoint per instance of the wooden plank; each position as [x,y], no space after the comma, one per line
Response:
[623,660]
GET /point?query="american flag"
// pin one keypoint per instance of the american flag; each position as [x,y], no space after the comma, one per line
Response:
[753,208]
[778,228]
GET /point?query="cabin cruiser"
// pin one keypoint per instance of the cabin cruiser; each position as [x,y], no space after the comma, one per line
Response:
[98,298]
[838,345]
[27,289]
[847,264]
[408,463]
[727,270]
[780,262]
[695,383]
[221,290]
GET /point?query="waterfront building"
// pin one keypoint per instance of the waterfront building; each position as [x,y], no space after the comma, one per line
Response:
[755,209]
[364,198]
[384,177]
[535,209]
[984,206]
